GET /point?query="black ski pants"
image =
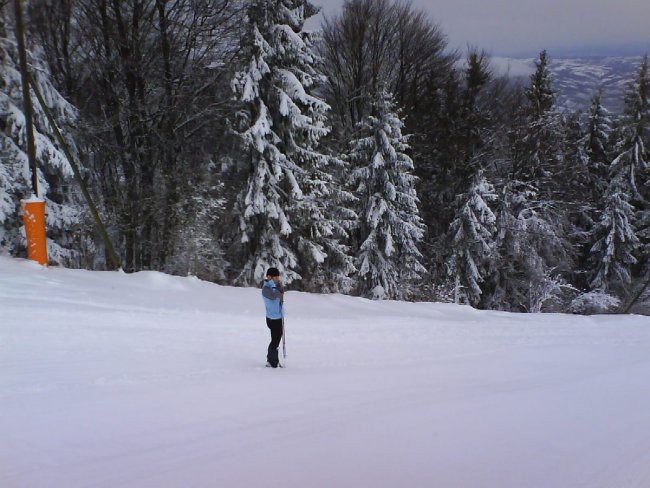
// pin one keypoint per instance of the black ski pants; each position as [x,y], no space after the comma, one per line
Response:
[275,325]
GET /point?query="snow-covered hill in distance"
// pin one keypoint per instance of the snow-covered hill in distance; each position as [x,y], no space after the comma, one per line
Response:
[110,380]
[577,79]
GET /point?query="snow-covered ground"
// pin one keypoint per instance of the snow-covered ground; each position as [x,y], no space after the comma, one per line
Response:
[148,380]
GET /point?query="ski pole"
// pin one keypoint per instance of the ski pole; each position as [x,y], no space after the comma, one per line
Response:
[284,342]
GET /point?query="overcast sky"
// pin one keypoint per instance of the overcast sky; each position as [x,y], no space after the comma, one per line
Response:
[524,27]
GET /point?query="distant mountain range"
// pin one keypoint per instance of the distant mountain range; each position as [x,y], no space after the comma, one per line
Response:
[577,79]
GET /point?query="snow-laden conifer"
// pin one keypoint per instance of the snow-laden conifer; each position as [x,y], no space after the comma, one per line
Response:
[539,143]
[633,159]
[473,233]
[540,92]
[578,190]
[525,274]
[283,214]
[584,181]
[324,218]
[613,253]
[532,244]
[55,177]
[596,143]
[576,182]
[388,259]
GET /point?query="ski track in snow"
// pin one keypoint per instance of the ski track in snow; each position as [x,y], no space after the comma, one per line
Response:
[149,380]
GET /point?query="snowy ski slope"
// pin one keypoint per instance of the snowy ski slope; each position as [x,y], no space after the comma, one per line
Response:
[148,380]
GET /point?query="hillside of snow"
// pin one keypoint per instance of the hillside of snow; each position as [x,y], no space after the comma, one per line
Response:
[577,80]
[148,380]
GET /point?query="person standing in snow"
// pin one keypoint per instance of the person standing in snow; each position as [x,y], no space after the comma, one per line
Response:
[273,294]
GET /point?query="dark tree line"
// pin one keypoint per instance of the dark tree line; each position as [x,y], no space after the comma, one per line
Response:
[219,136]
[151,81]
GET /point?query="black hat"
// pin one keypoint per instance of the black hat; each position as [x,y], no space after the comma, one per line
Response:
[273,272]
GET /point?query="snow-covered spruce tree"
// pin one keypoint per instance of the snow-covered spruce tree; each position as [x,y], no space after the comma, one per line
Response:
[575,190]
[613,253]
[473,234]
[632,165]
[324,219]
[532,249]
[576,185]
[55,177]
[539,150]
[506,270]
[540,92]
[524,273]
[390,227]
[596,144]
[284,216]
[583,182]
[474,115]
[635,133]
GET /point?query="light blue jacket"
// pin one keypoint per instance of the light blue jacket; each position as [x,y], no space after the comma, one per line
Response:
[272,295]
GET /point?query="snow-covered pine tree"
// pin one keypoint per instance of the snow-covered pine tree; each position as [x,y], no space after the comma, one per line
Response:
[576,191]
[475,115]
[524,274]
[324,219]
[613,253]
[540,92]
[540,147]
[505,268]
[55,177]
[262,205]
[576,185]
[532,224]
[596,144]
[584,182]
[633,159]
[621,231]
[390,227]
[635,133]
[473,233]
[282,211]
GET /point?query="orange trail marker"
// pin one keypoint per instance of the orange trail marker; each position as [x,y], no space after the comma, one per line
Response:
[34,219]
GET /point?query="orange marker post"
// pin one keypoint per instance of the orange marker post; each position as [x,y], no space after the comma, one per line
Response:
[34,219]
